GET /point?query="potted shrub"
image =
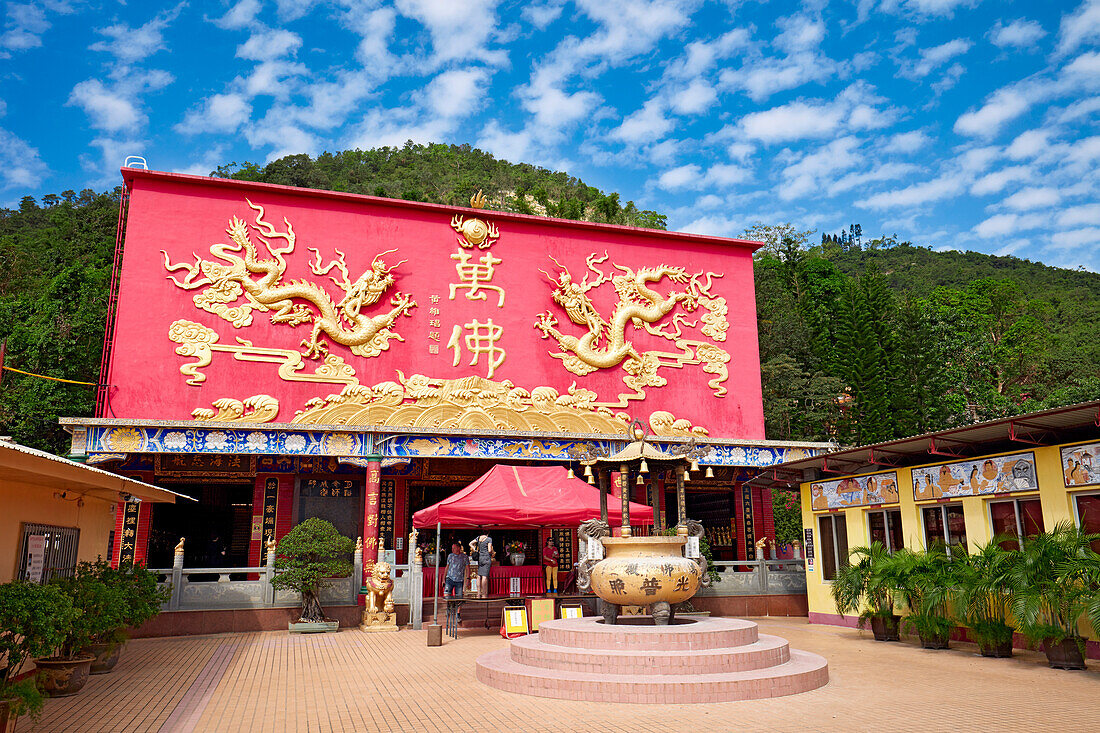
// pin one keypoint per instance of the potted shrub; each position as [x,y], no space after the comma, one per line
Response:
[860,584]
[96,611]
[33,622]
[139,599]
[305,558]
[983,594]
[925,581]
[1056,582]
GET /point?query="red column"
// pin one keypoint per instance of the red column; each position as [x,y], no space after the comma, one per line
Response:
[370,515]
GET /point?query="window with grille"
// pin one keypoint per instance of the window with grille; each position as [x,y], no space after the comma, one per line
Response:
[47,552]
[833,532]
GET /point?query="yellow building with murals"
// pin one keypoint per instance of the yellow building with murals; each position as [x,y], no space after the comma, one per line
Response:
[1015,476]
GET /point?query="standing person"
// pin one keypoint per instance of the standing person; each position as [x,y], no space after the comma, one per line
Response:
[456,572]
[550,565]
[483,550]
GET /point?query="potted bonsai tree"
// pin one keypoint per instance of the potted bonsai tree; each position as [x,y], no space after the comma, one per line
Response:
[305,558]
[1056,582]
[139,599]
[33,622]
[926,582]
[983,594]
[96,611]
[861,582]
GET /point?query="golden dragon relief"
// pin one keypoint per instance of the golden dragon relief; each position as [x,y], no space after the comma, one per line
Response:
[607,343]
[244,273]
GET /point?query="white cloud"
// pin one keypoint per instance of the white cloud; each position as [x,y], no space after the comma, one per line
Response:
[276,79]
[269,44]
[375,28]
[724,175]
[1029,144]
[25,23]
[1001,225]
[800,33]
[1019,33]
[21,167]
[685,176]
[1078,215]
[647,124]
[793,121]
[996,181]
[628,27]
[882,172]
[718,226]
[449,94]
[551,106]
[919,193]
[1033,198]
[907,142]
[762,79]
[932,58]
[1084,69]
[543,14]
[1079,27]
[129,44]
[919,8]
[460,29]
[511,146]
[241,15]
[1075,238]
[696,97]
[1003,106]
[219,113]
[112,153]
[108,109]
[283,138]
[700,57]
[810,173]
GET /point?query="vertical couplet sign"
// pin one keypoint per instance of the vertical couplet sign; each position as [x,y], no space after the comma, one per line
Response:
[747,521]
[370,515]
[624,495]
[127,548]
[809,548]
[386,513]
[563,540]
[36,557]
[270,509]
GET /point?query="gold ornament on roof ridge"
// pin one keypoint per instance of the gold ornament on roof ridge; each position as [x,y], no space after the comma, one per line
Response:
[344,322]
[473,403]
[475,232]
[607,345]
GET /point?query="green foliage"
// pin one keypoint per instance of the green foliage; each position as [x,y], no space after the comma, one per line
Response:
[306,556]
[861,586]
[99,605]
[787,514]
[704,549]
[983,591]
[34,621]
[1055,583]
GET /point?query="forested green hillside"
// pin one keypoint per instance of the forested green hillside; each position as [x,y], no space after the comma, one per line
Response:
[858,342]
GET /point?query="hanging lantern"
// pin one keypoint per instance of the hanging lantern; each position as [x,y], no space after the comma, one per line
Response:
[694,465]
[644,468]
[588,472]
[571,474]
[710,472]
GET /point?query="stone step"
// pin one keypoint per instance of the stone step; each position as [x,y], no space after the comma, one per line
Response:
[767,651]
[801,673]
[638,633]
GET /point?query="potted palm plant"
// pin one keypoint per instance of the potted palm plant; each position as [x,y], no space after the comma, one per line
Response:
[860,584]
[33,622]
[1056,583]
[925,581]
[983,594]
[306,558]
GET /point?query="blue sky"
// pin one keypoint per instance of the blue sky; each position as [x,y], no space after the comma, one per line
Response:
[953,123]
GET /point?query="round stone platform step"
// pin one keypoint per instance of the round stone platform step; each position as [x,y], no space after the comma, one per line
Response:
[767,651]
[802,673]
[638,633]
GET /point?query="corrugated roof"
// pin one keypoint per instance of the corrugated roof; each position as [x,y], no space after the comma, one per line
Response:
[1047,427]
[31,465]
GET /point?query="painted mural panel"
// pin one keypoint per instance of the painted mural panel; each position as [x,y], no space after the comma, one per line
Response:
[249,303]
[881,488]
[1078,465]
[997,475]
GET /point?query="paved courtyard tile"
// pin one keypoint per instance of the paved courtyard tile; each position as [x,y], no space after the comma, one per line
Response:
[352,681]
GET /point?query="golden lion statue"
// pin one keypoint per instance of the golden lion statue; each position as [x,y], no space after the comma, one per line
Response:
[379,613]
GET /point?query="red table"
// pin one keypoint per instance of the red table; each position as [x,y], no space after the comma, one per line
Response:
[532,582]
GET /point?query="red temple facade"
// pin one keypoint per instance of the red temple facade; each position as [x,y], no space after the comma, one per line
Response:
[282,353]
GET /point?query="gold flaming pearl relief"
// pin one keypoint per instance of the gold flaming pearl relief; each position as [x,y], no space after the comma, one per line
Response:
[475,232]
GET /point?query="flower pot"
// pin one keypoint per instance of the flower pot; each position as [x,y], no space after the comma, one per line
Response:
[1000,650]
[7,719]
[934,641]
[1065,654]
[63,677]
[885,628]
[312,627]
[106,657]
[639,571]
[517,558]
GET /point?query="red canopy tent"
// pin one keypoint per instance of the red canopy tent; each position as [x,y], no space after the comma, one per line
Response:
[526,496]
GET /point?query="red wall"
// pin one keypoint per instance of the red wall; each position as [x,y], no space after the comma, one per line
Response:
[184,216]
